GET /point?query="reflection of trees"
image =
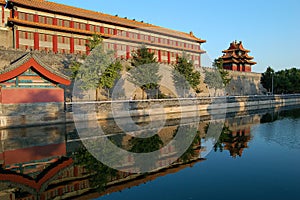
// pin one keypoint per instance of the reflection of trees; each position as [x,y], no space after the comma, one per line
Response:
[101,174]
[268,117]
[191,152]
[285,131]
[146,145]
[224,137]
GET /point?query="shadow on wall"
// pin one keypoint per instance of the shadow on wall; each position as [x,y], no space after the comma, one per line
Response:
[244,85]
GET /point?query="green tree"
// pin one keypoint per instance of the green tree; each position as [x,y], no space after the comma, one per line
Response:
[99,70]
[218,64]
[185,76]
[266,78]
[94,41]
[109,76]
[217,77]
[144,71]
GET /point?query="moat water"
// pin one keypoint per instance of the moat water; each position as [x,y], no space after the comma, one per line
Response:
[255,156]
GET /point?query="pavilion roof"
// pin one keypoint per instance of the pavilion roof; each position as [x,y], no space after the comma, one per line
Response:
[22,62]
[234,46]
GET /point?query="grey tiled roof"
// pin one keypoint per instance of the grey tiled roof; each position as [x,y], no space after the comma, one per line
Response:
[57,64]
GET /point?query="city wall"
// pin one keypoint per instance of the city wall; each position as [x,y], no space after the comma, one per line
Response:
[22,115]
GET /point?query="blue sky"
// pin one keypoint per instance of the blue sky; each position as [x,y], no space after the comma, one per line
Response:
[269,28]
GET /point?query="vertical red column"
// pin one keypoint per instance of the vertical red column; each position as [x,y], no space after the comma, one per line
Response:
[16,14]
[169,57]
[71,24]
[87,27]
[17,39]
[54,44]
[115,31]
[127,52]
[2,7]
[101,29]
[54,21]
[35,18]
[87,48]
[139,36]
[36,41]
[199,59]
[72,45]
[159,55]
[116,50]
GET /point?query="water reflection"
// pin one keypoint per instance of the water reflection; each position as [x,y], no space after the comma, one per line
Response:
[51,162]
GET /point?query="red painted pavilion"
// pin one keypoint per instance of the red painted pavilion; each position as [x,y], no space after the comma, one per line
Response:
[29,80]
[236,58]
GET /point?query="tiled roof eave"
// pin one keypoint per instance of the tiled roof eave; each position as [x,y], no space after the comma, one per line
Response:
[25,58]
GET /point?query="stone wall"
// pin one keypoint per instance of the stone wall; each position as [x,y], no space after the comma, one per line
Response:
[6,39]
[174,108]
[14,115]
[242,83]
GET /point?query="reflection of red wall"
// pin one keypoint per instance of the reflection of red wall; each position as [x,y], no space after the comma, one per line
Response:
[33,153]
[31,95]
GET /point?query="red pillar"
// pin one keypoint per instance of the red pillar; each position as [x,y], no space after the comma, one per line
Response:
[17,39]
[2,14]
[87,27]
[36,41]
[116,50]
[87,48]
[127,52]
[169,57]
[55,46]
[72,45]
[115,31]
[54,21]
[101,29]
[71,24]
[159,55]
[35,18]
[16,14]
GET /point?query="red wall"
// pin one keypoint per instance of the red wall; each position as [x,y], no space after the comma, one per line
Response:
[33,153]
[31,95]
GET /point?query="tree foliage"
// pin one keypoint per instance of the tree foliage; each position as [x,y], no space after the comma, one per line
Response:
[284,81]
[144,71]
[218,64]
[266,78]
[185,76]
[99,70]
[94,41]
[217,78]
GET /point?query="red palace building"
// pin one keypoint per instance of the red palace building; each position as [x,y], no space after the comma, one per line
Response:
[236,58]
[49,26]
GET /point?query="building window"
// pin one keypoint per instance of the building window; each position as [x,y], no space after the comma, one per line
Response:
[49,20]
[82,26]
[76,25]
[66,23]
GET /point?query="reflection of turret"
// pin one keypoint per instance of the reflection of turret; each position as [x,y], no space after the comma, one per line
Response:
[236,134]
[237,142]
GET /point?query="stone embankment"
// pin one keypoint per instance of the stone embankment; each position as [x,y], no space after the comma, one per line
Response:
[52,113]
